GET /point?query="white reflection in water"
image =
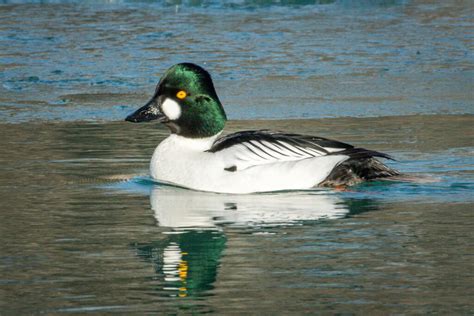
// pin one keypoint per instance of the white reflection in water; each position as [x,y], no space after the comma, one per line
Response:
[187,258]
[181,208]
[171,259]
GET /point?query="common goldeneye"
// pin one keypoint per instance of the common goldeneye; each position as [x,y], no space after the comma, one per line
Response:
[195,157]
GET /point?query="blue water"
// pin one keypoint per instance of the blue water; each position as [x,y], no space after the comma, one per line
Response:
[67,60]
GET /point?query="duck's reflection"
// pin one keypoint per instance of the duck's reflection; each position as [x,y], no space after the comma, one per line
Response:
[185,209]
[185,263]
[186,260]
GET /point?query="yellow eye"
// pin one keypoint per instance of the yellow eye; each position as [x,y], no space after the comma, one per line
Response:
[181,94]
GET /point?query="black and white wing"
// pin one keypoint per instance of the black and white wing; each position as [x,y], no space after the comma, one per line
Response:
[244,149]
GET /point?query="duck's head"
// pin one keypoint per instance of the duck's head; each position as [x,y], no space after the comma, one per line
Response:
[185,100]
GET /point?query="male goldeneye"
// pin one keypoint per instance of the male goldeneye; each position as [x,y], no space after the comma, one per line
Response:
[195,157]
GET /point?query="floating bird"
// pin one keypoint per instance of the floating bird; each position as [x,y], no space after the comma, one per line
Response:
[196,156]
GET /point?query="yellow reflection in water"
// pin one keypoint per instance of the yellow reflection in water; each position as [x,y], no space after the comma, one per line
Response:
[183,274]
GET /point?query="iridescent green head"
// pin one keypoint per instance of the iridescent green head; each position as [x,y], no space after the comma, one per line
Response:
[185,100]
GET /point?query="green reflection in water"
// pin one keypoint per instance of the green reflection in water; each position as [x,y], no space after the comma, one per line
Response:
[187,262]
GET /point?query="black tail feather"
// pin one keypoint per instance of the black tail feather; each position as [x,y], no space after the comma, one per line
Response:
[361,166]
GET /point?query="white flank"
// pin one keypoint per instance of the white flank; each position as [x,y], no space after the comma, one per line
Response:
[171,109]
[186,162]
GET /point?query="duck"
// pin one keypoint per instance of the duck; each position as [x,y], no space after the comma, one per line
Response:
[197,156]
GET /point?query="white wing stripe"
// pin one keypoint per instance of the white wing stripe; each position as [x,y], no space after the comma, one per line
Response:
[287,152]
[272,152]
[247,149]
[246,154]
[294,149]
[314,151]
[276,149]
[259,151]
[306,151]
[264,149]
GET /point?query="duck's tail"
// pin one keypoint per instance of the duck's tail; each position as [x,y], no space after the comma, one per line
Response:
[362,165]
[357,170]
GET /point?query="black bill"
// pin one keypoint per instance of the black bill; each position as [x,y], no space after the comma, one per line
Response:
[148,112]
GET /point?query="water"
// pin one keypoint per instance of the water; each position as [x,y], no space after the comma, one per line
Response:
[84,229]
[82,61]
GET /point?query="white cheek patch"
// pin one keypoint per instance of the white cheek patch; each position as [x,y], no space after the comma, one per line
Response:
[171,109]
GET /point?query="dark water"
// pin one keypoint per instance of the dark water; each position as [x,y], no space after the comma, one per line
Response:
[84,230]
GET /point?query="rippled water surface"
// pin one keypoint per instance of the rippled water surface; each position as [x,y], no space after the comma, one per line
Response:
[84,229]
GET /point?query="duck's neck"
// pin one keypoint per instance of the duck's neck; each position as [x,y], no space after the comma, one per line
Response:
[195,144]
